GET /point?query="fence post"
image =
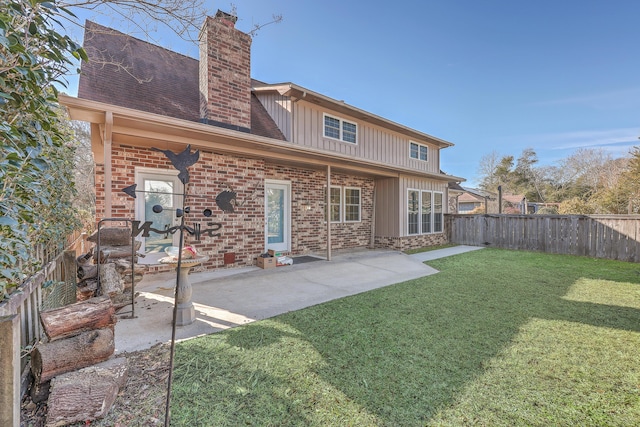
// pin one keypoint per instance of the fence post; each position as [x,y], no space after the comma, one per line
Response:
[10,371]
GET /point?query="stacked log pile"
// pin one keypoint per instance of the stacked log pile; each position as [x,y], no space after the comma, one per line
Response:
[114,269]
[73,369]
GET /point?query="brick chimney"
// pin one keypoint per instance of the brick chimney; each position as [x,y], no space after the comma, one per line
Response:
[225,74]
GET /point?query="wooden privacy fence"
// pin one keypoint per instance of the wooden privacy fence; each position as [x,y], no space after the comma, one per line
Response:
[53,286]
[599,236]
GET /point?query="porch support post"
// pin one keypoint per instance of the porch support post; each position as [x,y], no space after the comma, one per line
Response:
[372,239]
[10,370]
[108,128]
[328,207]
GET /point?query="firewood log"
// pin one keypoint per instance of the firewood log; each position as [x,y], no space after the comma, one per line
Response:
[94,313]
[87,394]
[116,236]
[59,357]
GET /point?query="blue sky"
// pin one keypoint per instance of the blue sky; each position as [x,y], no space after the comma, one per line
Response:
[490,75]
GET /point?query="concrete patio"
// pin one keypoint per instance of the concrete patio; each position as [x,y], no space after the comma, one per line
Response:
[232,297]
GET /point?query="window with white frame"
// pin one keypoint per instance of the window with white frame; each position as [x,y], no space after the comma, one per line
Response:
[335,204]
[345,204]
[438,214]
[424,212]
[351,204]
[340,129]
[413,210]
[418,151]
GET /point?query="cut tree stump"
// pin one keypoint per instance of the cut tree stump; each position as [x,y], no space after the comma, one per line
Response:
[87,394]
[94,313]
[59,357]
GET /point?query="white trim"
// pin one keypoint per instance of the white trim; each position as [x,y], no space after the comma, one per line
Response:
[433,215]
[340,130]
[286,245]
[140,174]
[406,201]
[419,147]
[340,204]
[344,204]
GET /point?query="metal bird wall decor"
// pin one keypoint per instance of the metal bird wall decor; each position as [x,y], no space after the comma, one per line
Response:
[181,161]
[224,199]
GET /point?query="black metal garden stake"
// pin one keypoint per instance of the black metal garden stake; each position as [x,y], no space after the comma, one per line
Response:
[225,201]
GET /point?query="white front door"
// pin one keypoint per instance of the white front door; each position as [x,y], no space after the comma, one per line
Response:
[277,198]
[162,189]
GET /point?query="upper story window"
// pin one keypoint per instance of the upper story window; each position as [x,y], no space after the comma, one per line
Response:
[418,151]
[340,129]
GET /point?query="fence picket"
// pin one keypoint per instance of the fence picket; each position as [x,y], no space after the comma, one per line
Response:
[599,236]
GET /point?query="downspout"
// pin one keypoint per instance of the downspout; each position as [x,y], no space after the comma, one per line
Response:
[372,242]
[328,207]
[108,168]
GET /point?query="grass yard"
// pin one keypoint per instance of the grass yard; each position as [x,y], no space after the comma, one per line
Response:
[497,338]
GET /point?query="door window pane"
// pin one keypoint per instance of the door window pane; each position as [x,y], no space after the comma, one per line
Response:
[275,215]
[158,192]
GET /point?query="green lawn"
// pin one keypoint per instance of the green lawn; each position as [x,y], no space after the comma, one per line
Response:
[497,338]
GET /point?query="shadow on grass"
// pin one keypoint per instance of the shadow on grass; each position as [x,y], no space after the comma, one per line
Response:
[397,355]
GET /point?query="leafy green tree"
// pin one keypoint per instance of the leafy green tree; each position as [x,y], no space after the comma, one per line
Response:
[36,157]
[576,206]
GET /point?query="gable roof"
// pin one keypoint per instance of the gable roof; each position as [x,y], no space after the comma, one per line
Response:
[128,72]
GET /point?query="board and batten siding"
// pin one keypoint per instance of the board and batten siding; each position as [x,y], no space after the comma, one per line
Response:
[279,108]
[303,123]
[387,201]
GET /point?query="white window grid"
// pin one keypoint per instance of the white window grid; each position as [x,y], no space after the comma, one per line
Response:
[340,129]
[418,151]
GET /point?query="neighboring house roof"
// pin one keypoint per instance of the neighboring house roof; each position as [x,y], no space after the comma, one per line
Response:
[470,198]
[150,78]
[479,194]
[513,198]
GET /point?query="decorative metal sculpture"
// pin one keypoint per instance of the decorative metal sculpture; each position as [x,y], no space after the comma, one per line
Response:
[182,161]
[225,201]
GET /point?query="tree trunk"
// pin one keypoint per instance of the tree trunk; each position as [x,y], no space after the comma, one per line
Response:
[87,394]
[62,356]
[94,313]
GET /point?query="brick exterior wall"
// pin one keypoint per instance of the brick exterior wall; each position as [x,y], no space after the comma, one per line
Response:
[242,232]
[225,70]
[308,227]
[411,242]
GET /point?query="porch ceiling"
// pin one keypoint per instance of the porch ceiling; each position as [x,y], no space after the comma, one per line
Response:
[136,128]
